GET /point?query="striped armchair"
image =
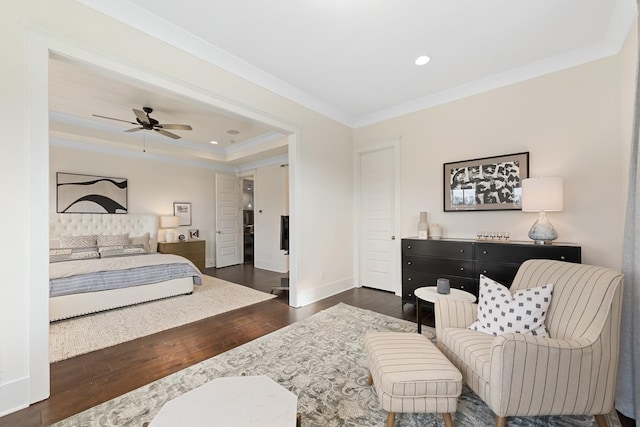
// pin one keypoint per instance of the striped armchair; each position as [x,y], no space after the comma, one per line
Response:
[571,372]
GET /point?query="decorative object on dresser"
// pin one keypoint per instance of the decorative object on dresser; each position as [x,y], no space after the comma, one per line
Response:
[169,223]
[193,250]
[544,194]
[183,211]
[423,226]
[486,184]
[90,194]
[462,261]
[194,234]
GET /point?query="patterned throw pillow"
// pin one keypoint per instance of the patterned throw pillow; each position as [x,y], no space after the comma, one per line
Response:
[72,254]
[500,312]
[87,241]
[113,240]
[121,250]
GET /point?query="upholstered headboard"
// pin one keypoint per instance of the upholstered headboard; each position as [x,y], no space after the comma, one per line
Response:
[83,224]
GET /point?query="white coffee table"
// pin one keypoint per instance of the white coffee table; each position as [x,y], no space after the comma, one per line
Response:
[430,294]
[252,401]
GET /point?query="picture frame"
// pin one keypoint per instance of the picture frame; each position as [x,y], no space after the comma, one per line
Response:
[183,211]
[485,184]
[194,234]
[79,193]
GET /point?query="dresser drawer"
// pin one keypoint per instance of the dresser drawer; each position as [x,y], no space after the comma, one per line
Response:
[446,266]
[502,273]
[438,248]
[517,254]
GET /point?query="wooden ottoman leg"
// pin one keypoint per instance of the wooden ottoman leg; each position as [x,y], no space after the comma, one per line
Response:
[391,419]
[447,419]
[370,380]
[501,421]
[601,420]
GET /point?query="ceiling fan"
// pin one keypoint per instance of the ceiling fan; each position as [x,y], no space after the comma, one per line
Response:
[148,123]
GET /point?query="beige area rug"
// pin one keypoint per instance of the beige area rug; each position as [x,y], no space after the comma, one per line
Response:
[72,337]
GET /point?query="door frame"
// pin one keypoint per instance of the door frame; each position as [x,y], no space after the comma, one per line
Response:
[34,385]
[357,220]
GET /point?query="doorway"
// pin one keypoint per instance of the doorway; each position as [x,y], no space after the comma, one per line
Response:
[247,219]
[377,181]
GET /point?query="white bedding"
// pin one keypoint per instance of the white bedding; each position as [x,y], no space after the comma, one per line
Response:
[73,268]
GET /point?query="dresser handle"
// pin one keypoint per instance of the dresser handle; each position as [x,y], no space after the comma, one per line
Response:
[409,279]
[461,286]
[461,251]
[408,246]
[484,272]
[461,268]
[484,252]
[562,258]
[408,262]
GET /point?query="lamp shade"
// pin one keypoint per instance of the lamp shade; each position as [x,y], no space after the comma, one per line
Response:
[542,194]
[169,222]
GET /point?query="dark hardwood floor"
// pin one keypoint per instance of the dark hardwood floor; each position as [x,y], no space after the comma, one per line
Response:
[87,380]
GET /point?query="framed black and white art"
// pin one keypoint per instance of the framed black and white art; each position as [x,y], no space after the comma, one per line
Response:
[485,184]
[183,211]
[77,193]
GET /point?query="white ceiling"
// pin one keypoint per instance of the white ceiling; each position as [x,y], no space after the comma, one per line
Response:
[351,60]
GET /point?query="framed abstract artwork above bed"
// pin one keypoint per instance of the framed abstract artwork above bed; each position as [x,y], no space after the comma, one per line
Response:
[77,193]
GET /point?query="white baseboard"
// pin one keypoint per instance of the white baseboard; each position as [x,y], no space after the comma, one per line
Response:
[14,396]
[309,296]
[278,267]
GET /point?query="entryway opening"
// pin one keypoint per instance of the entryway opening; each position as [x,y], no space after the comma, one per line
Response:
[247,219]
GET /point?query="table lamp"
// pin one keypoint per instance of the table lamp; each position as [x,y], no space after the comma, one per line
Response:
[544,194]
[169,223]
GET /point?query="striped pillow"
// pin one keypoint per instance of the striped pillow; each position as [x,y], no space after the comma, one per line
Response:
[500,312]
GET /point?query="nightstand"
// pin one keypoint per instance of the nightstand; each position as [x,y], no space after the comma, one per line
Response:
[193,250]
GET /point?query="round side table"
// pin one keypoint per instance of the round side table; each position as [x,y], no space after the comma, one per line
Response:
[430,294]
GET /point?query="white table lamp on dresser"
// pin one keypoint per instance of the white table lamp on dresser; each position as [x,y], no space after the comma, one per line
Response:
[542,195]
[169,223]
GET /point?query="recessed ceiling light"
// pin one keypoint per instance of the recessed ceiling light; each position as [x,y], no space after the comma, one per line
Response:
[233,132]
[422,60]
[214,142]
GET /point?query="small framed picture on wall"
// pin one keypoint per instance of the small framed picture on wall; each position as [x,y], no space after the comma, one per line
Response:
[183,211]
[194,234]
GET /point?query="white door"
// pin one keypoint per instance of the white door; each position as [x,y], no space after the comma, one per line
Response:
[378,247]
[228,221]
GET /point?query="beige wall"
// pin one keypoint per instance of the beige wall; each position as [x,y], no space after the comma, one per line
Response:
[569,122]
[153,186]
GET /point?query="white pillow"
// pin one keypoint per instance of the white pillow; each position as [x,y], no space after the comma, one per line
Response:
[141,240]
[500,312]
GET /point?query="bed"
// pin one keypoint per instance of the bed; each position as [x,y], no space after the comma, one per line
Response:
[87,279]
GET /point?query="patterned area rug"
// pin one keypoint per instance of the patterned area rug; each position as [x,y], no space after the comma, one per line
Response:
[71,337]
[320,359]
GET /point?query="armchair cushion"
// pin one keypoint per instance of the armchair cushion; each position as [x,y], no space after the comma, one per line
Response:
[500,312]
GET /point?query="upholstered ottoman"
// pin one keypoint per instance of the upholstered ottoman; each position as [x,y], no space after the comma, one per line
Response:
[410,374]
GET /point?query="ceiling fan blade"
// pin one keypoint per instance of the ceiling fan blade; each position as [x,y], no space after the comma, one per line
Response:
[111,118]
[141,116]
[166,133]
[133,130]
[177,127]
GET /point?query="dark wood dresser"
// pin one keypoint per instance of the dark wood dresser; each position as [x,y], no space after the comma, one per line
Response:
[463,261]
[193,250]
